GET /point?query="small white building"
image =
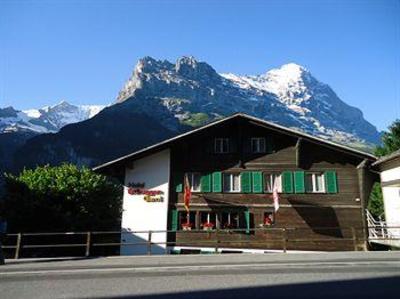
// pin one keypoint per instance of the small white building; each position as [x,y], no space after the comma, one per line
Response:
[389,167]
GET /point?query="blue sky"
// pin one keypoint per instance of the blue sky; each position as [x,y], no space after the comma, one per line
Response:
[83,51]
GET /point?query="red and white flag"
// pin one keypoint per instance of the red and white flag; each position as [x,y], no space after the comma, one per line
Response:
[275,195]
[187,193]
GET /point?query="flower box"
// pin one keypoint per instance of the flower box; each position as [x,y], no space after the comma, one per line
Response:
[186,226]
[208,226]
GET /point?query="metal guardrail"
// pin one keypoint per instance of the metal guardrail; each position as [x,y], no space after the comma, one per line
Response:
[88,245]
[377,228]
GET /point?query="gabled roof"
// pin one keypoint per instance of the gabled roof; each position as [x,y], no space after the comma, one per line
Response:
[261,122]
[387,158]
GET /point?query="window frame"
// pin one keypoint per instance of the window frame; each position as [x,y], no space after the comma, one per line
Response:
[259,149]
[314,182]
[182,215]
[273,220]
[213,216]
[191,179]
[280,187]
[232,220]
[231,174]
[219,147]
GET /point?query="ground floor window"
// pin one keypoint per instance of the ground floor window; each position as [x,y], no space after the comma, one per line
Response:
[230,220]
[208,220]
[187,221]
[268,219]
[211,220]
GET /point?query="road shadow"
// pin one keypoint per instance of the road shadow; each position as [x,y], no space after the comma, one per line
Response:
[387,288]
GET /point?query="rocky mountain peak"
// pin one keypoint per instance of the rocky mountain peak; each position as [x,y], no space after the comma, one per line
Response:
[155,74]
[161,99]
[8,112]
[189,67]
[193,92]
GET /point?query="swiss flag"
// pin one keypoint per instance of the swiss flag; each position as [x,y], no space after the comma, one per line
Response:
[275,195]
[187,193]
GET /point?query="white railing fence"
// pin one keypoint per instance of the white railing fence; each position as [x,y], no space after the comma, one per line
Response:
[377,229]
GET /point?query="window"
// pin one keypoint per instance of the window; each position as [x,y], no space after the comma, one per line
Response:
[269,181]
[258,145]
[315,182]
[231,182]
[194,181]
[208,220]
[229,220]
[184,224]
[269,219]
[221,145]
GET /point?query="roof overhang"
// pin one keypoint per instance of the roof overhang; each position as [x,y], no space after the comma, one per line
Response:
[388,158]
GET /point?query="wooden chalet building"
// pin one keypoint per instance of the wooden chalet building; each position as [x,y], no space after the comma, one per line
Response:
[232,165]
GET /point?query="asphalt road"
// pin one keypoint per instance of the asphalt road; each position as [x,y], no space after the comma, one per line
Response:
[318,275]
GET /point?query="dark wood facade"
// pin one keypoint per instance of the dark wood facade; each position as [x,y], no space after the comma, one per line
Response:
[332,220]
[337,218]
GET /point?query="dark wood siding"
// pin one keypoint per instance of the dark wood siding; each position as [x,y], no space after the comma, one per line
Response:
[306,216]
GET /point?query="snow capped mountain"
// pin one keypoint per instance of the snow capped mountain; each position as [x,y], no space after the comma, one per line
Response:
[162,99]
[289,83]
[45,120]
[194,93]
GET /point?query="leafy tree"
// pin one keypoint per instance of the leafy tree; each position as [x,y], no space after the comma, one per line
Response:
[390,140]
[63,198]
[375,203]
[390,144]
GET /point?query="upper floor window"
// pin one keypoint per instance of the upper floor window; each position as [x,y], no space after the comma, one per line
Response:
[231,182]
[269,182]
[258,145]
[194,181]
[221,145]
[315,182]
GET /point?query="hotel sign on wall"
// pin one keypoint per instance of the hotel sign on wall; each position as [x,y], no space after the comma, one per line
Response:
[148,195]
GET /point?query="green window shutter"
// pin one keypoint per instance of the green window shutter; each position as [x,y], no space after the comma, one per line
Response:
[247,220]
[331,181]
[287,177]
[257,182]
[299,182]
[205,183]
[178,182]
[245,181]
[174,220]
[217,181]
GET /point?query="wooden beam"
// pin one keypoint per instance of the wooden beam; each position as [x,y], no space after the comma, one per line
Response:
[298,151]
[130,165]
[240,144]
[362,173]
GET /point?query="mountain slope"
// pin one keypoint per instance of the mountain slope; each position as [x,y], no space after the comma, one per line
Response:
[115,131]
[162,99]
[289,96]
[17,127]
[45,120]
